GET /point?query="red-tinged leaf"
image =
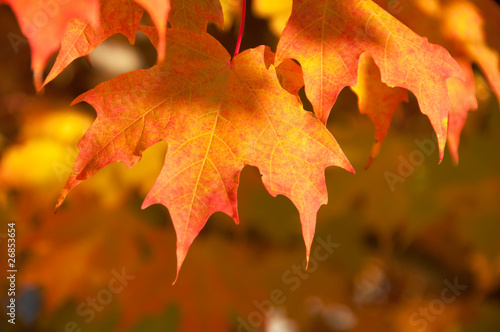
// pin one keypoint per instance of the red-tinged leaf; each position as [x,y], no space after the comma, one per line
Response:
[469,31]
[463,99]
[159,11]
[485,50]
[216,115]
[124,16]
[117,16]
[43,23]
[328,37]
[376,100]
[194,15]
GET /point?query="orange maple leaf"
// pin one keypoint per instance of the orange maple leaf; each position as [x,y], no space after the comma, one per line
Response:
[159,11]
[469,31]
[124,16]
[328,37]
[80,38]
[43,23]
[463,99]
[78,27]
[190,15]
[376,100]
[217,115]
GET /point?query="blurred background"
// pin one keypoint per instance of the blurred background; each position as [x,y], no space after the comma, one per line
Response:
[418,254]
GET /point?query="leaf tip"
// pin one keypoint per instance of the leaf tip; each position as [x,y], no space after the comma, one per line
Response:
[47,80]
[181,255]
[176,277]
[441,145]
[39,86]
[348,167]
[37,79]
[369,162]
[78,99]
[61,199]
[308,244]
[453,149]
[441,156]
[373,153]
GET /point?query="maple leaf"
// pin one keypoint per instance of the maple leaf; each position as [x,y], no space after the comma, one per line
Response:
[159,11]
[463,99]
[44,22]
[124,16]
[469,31]
[216,115]
[80,38]
[376,100]
[328,37]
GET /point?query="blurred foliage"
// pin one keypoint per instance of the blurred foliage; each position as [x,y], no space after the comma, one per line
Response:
[397,251]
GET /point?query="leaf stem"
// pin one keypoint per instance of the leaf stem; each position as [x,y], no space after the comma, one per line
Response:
[242,26]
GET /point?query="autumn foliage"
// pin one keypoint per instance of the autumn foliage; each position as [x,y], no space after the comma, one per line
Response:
[219,113]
